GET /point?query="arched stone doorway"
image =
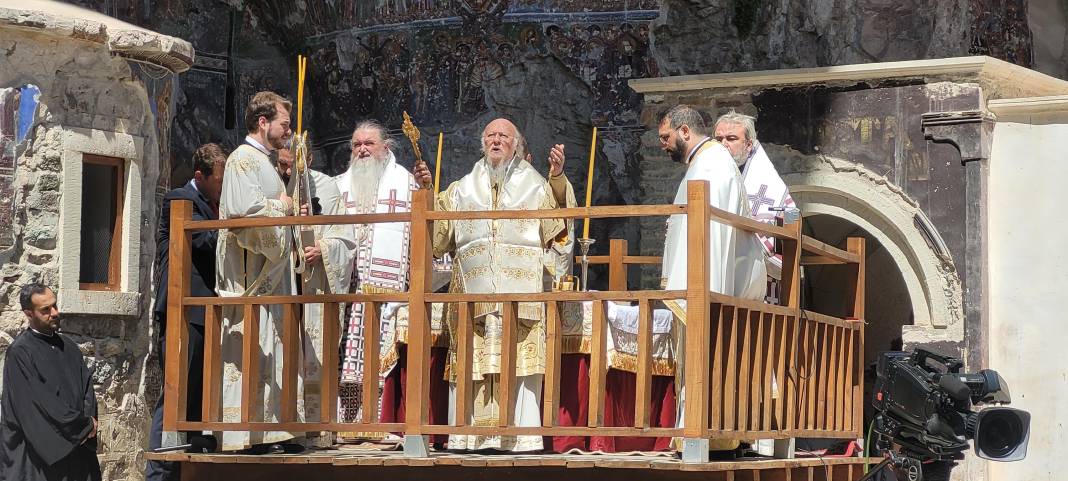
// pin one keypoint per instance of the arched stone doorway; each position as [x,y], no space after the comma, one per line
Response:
[912,285]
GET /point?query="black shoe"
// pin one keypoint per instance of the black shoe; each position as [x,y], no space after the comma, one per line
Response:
[291,448]
[201,443]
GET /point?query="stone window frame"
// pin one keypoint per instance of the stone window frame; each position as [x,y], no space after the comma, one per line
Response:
[73,299]
[114,275]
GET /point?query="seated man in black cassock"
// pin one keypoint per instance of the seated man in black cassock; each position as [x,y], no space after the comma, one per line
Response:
[202,190]
[48,408]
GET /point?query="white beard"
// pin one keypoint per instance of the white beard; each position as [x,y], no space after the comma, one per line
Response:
[364,176]
[499,174]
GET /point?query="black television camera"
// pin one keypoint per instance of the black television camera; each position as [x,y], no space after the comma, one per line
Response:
[925,414]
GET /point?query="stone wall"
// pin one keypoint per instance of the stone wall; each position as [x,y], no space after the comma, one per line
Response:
[84,87]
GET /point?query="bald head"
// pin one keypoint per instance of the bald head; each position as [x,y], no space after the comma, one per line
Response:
[499,140]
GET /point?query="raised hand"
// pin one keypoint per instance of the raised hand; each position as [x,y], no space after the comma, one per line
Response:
[556,160]
[422,175]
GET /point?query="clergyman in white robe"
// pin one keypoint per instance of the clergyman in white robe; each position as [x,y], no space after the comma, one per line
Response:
[330,275]
[502,256]
[253,262]
[736,256]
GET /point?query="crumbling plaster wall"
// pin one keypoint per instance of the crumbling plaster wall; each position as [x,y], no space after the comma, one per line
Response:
[82,87]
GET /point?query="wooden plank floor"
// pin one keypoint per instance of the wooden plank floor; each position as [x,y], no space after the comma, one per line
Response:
[333,462]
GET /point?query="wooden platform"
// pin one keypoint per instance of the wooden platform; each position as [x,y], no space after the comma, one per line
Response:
[358,463]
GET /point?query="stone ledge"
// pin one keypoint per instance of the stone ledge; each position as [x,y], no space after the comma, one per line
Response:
[105,303]
[122,38]
[1028,106]
[999,79]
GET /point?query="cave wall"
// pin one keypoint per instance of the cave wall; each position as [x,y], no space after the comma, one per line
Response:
[556,67]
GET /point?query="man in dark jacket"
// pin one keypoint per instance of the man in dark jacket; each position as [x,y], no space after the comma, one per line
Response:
[203,191]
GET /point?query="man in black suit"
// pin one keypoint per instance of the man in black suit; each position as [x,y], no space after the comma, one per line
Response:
[203,190]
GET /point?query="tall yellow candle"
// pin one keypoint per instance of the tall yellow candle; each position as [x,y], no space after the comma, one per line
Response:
[589,183]
[300,91]
[437,165]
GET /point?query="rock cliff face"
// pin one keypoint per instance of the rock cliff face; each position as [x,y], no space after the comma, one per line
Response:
[556,67]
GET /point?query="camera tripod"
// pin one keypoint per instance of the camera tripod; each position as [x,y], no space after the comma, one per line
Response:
[911,468]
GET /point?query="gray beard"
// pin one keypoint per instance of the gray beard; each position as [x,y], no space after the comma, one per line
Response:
[364,176]
[499,174]
[740,158]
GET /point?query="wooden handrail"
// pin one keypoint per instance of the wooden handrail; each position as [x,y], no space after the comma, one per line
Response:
[739,348]
[823,250]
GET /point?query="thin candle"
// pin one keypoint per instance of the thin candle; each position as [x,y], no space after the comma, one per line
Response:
[300,92]
[437,165]
[589,183]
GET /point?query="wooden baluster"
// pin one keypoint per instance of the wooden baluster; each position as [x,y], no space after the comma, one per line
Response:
[730,386]
[291,360]
[790,285]
[824,342]
[417,388]
[464,360]
[792,372]
[598,365]
[813,372]
[617,270]
[723,315]
[804,367]
[211,400]
[507,387]
[760,381]
[553,349]
[856,246]
[331,343]
[841,381]
[250,364]
[644,382]
[698,301]
[832,377]
[745,368]
[781,379]
[372,334]
[176,366]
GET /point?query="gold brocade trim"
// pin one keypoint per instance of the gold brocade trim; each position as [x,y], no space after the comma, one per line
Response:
[368,288]
[363,435]
[676,309]
[575,345]
[387,362]
[629,363]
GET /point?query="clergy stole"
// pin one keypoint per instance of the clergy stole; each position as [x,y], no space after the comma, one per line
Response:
[381,265]
[253,262]
[382,261]
[766,191]
[502,255]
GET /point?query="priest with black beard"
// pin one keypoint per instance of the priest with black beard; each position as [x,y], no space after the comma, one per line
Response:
[48,408]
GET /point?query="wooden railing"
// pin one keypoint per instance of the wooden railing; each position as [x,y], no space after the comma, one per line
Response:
[753,370]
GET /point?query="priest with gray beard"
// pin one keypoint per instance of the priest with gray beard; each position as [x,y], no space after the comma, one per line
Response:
[502,256]
[376,183]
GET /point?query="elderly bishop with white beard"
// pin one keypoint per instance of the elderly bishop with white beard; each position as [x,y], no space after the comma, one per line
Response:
[502,256]
[376,183]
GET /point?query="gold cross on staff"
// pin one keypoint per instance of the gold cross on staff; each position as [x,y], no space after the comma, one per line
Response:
[412,133]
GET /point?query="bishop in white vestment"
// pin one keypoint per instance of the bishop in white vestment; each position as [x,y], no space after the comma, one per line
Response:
[736,256]
[502,256]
